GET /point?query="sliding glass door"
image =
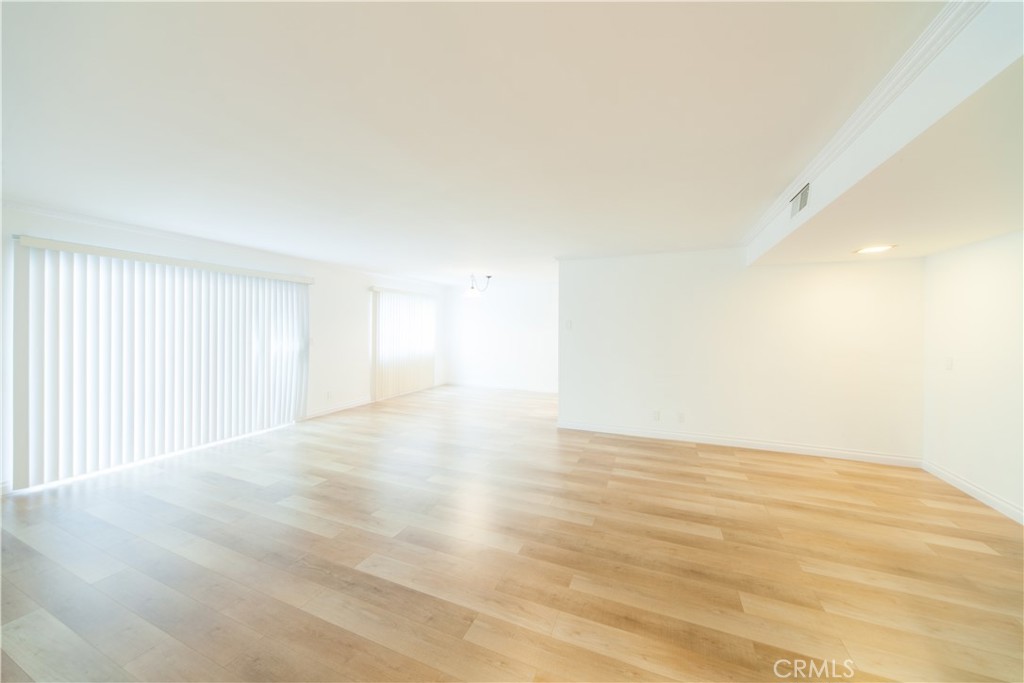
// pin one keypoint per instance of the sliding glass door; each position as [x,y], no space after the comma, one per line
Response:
[116,360]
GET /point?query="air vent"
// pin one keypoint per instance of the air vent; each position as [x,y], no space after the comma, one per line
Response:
[799,200]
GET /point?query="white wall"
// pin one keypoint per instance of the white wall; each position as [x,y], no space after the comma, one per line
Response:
[808,359]
[506,338]
[339,300]
[973,407]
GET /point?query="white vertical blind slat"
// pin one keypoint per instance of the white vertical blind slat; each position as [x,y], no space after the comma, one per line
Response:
[178,399]
[202,379]
[65,364]
[78,368]
[137,414]
[280,373]
[36,393]
[148,389]
[91,385]
[157,362]
[264,341]
[127,362]
[213,378]
[116,366]
[51,365]
[247,312]
[192,362]
[220,344]
[102,380]
[166,417]
[235,355]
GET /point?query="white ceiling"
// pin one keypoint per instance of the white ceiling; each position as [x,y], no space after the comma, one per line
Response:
[432,140]
[960,181]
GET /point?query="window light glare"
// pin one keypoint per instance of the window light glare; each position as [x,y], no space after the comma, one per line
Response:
[877,249]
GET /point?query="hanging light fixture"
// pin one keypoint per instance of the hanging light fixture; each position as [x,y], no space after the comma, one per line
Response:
[474,288]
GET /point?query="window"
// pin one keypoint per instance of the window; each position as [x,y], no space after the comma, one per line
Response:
[119,359]
[404,340]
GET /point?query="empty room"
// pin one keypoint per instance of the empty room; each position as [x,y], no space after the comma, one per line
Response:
[512,341]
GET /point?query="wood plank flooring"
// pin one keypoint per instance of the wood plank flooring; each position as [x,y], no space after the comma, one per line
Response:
[457,534]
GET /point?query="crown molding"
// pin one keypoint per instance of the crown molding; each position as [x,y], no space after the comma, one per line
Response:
[75,217]
[950,21]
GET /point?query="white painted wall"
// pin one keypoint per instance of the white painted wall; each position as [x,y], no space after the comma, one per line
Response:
[339,300]
[506,338]
[974,316]
[823,359]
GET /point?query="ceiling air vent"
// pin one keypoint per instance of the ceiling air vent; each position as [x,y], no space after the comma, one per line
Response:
[799,200]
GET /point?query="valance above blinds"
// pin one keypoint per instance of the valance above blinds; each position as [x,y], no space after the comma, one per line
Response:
[75,248]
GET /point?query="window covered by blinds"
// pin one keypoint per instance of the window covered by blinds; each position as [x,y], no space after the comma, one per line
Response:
[118,360]
[404,341]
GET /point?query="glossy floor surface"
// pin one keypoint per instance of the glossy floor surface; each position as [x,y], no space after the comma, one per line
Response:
[459,535]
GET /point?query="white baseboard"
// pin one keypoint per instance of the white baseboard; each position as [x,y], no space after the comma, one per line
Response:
[755,444]
[365,401]
[994,501]
[530,389]
[338,408]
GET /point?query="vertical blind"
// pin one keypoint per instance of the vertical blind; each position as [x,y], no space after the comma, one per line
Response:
[404,341]
[119,360]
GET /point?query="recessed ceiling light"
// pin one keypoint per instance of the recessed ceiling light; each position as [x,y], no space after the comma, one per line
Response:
[877,249]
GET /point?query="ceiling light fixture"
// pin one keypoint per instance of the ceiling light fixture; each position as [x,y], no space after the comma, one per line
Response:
[474,288]
[877,249]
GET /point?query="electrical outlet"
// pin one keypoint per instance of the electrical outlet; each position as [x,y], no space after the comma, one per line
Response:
[680,417]
[330,396]
[656,415]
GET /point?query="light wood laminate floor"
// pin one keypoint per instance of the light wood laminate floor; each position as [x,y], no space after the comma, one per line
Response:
[457,534]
